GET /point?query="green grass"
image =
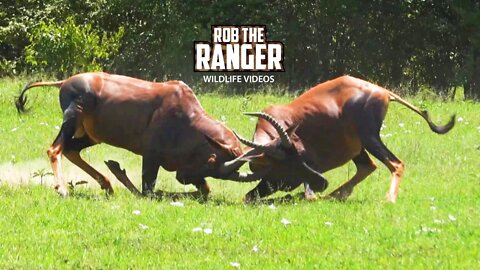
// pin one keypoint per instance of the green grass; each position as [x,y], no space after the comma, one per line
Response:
[434,224]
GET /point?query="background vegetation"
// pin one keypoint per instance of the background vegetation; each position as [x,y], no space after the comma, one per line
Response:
[402,44]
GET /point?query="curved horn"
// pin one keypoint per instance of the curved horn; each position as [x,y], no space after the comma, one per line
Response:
[317,175]
[313,171]
[251,143]
[275,152]
[235,164]
[286,142]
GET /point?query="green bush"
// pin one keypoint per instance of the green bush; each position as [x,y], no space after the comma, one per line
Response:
[68,48]
[7,67]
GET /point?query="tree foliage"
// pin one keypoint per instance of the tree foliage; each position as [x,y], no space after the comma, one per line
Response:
[66,48]
[405,44]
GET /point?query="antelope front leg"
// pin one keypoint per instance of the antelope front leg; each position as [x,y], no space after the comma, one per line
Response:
[121,175]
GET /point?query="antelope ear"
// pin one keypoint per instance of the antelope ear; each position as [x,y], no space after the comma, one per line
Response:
[212,159]
[216,141]
[292,129]
[297,143]
[216,134]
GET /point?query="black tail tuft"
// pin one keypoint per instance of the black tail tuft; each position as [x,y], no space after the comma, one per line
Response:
[20,104]
[21,100]
[440,129]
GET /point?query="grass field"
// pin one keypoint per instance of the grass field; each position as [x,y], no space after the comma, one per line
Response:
[435,223]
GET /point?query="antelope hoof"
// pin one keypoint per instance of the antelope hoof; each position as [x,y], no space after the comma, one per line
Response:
[340,194]
[249,199]
[202,197]
[310,196]
[108,190]
[390,198]
[61,190]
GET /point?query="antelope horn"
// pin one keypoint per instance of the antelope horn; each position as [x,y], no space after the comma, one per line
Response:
[310,169]
[235,164]
[286,142]
[277,153]
[314,172]
[251,143]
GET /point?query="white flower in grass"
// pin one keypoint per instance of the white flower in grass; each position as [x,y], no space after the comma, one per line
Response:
[328,223]
[460,119]
[383,126]
[285,221]
[451,217]
[438,221]
[425,229]
[177,204]
[401,125]
[14,129]
[136,212]
[204,230]
[271,206]
[433,208]
[255,248]
[57,127]
[143,226]
[235,264]
[115,206]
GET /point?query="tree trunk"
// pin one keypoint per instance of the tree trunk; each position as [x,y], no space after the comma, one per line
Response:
[472,86]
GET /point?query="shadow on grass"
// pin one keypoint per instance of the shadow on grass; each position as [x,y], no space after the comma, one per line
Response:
[87,195]
[299,197]
[167,197]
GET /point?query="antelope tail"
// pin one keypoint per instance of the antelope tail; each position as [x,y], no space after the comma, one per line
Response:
[424,114]
[21,100]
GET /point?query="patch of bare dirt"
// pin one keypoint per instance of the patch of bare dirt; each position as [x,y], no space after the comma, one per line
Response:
[40,172]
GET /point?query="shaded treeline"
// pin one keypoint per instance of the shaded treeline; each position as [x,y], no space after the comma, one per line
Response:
[403,44]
